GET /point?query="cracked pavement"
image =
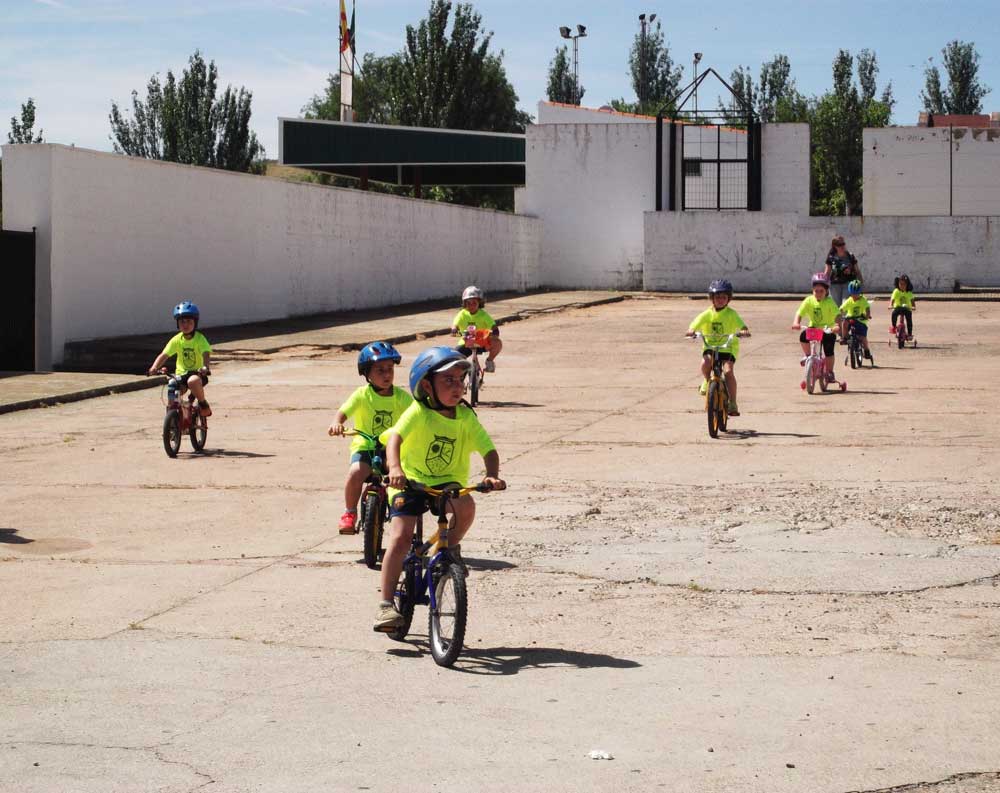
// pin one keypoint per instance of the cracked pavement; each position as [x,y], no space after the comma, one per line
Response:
[809,603]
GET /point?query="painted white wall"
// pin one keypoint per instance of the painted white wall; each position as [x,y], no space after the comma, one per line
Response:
[772,252]
[121,240]
[932,171]
[589,184]
[557,113]
[785,174]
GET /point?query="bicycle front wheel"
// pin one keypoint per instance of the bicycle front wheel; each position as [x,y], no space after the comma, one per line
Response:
[447,620]
[405,599]
[475,378]
[172,432]
[810,374]
[372,527]
[198,432]
[712,408]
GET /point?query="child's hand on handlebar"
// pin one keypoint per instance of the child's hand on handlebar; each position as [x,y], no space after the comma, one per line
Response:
[744,334]
[690,334]
[335,429]
[797,326]
[397,478]
[494,483]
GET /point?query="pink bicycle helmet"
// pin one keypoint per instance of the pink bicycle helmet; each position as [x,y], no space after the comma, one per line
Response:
[822,279]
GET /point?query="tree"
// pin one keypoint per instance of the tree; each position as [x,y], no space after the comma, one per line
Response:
[774,98]
[837,120]
[182,121]
[562,82]
[964,95]
[654,75]
[23,131]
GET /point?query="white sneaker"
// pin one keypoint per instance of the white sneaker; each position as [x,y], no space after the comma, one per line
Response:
[490,366]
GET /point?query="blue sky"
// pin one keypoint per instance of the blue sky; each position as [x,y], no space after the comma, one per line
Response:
[76,56]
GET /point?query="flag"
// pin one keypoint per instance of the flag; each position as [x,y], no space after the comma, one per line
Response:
[346,34]
[346,63]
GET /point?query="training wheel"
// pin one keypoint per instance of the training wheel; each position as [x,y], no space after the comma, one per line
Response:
[802,385]
[843,385]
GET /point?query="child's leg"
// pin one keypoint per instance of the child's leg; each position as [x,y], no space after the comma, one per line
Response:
[895,316]
[356,476]
[730,375]
[908,316]
[495,346]
[463,511]
[706,366]
[805,348]
[396,547]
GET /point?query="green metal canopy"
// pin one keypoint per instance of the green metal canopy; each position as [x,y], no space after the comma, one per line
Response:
[403,155]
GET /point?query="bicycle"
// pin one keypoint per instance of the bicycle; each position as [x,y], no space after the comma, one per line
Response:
[182,416]
[436,581]
[373,510]
[855,350]
[898,332]
[717,395]
[815,363]
[477,340]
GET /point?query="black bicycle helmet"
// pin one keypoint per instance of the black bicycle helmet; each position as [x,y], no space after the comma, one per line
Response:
[720,286]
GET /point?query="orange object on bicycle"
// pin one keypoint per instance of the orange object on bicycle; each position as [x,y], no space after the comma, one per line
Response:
[479,338]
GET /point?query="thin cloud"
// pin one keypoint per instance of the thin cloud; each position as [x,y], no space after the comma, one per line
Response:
[51,4]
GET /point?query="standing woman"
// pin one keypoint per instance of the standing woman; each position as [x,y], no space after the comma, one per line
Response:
[841,269]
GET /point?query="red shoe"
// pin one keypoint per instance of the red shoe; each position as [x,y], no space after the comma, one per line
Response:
[347,521]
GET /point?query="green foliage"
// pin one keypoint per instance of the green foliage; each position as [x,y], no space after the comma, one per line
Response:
[774,99]
[837,120]
[23,131]
[654,75]
[182,121]
[964,95]
[562,85]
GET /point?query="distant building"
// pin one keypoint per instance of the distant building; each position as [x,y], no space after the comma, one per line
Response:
[977,121]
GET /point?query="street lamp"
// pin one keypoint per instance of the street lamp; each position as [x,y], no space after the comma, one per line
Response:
[642,57]
[697,57]
[565,32]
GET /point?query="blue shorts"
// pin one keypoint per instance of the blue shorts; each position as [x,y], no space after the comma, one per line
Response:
[860,328]
[362,457]
[411,503]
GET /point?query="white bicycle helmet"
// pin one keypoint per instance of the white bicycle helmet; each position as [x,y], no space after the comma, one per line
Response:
[474,293]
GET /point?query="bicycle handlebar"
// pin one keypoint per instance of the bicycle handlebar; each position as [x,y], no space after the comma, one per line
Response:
[727,343]
[372,439]
[454,492]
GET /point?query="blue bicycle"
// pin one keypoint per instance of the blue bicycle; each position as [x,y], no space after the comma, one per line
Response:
[435,580]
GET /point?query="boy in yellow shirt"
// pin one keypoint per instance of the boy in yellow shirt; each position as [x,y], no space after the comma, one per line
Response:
[431,445]
[374,407]
[473,313]
[821,312]
[856,308]
[193,353]
[716,323]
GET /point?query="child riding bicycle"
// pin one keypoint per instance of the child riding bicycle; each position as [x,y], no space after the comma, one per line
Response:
[858,310]
[719,321]
[903,303]
[374,407]
[193,353]
[431,445]
[473,313]
[821,312]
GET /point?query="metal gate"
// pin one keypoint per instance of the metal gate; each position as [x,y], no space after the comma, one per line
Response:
[716,162]
[17,321]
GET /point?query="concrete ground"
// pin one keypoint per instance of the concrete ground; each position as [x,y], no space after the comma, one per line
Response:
[809,603]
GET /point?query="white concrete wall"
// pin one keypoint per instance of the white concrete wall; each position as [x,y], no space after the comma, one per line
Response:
[558,113]
[122,240]
[768,252]
[786,165]
[925,171]
[590,184]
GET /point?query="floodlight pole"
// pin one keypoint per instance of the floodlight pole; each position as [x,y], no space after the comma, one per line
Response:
[581,31]
[642,57]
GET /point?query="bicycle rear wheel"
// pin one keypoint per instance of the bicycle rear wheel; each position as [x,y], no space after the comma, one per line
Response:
[172,432]
[475,378]
[446,625]
[712,409]
[405,599]
[901,337]
[372,525]
[198,431]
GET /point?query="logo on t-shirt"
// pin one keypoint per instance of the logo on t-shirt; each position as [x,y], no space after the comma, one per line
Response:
[188,357]
[439,454]
[381,421]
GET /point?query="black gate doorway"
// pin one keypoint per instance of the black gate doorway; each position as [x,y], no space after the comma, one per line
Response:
[17,321]
[716,167]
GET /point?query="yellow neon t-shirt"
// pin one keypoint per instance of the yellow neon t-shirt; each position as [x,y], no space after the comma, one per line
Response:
[902,299]
[480,319]
[856,308]
[436,449]
[716,325]
[190,352]
[374,413]
[819,313]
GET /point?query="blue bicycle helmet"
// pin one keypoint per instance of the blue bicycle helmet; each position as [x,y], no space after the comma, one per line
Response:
[186,309]
[854,288]
[431,360]
[720,286]
[376,351]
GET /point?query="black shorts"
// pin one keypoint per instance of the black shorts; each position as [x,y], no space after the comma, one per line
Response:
[829,342]
[411,502]
[723,356]
[183,379]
